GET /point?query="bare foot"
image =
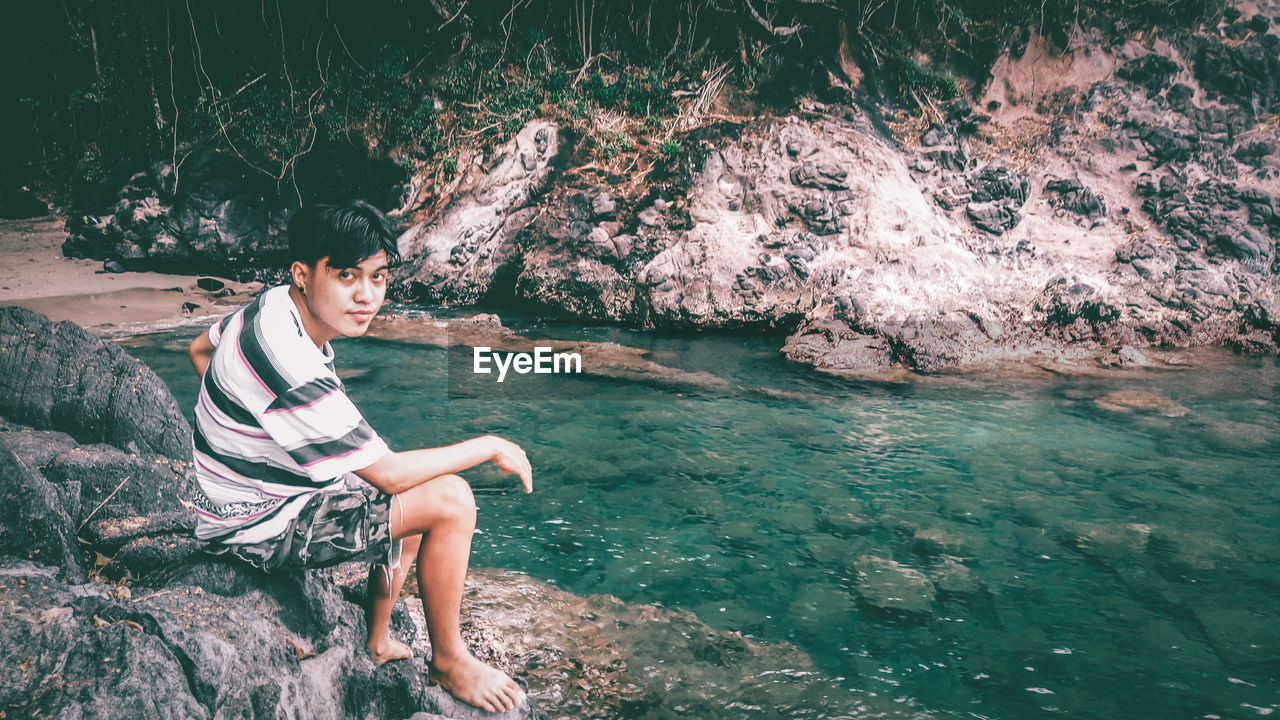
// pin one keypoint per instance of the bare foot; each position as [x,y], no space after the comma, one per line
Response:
[389,649]
[471,681]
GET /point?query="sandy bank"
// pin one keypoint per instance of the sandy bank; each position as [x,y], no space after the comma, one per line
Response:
[35,275]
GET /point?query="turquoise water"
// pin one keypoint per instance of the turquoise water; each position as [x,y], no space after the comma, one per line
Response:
[969,547]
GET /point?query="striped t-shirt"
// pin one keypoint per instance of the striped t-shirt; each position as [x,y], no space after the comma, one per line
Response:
[273,424]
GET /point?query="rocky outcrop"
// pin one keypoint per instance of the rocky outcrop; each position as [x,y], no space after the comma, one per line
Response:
[455,258]
[57,376]
[108,608]
[1113,194]
[205,640]
[1133,214]
[1148,222]
[214,213]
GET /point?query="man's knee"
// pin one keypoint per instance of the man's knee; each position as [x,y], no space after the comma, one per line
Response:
[458,492]
[457,500]
[445,499]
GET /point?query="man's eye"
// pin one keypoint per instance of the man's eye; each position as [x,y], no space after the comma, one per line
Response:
[379,277]
[345,274]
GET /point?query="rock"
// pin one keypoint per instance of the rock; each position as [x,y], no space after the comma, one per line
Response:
[1241,637]
[210,284]
[1168,145]
[894,588]
[1246,244]
[34,523]
[1125,356]
[995,182]
[1243,73]
[110,533]
[1140,400]
[136,485]
[57,376]
[602,204]
[937,135]
[994,217]
[1068,300]
[217,212]
[936,541]
[824,176]
[1150,71]
[954,578]
[1072,196]
[834,345]
[597,657]
[215,637]
[456,257]
[86,656]
[37,448]
[112,266]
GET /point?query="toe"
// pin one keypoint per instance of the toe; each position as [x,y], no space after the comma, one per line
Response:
[513,699]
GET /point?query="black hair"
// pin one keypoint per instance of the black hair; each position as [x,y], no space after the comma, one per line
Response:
[346,234]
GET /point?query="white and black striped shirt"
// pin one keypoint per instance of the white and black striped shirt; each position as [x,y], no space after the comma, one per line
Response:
[273,424]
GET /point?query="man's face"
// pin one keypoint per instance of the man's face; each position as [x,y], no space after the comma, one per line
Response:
[342,301]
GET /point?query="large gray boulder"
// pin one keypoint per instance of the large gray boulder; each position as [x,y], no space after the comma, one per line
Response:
[57,376]
[34,520]
[213,640]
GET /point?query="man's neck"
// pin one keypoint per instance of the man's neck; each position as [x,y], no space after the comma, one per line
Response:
[316,330]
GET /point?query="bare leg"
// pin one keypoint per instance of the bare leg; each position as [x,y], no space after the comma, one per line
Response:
[442,512]
[382,600]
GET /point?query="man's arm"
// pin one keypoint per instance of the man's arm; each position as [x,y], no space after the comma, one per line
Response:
[200,351]
[396,472]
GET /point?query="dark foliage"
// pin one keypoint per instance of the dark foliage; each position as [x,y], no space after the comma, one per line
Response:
[111,85]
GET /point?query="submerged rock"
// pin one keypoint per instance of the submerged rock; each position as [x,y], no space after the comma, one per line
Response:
[894,588]
[601,359]
[1140,400]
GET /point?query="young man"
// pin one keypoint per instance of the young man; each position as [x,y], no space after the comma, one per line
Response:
[292,476]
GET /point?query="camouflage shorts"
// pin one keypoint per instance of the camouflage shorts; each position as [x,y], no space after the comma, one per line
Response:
[352,524]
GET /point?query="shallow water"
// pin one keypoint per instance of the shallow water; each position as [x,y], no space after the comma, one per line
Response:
[973,547]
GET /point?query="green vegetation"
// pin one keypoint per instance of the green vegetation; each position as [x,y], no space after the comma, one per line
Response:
[431,84]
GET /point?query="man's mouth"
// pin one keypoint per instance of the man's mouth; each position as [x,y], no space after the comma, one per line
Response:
[362,314]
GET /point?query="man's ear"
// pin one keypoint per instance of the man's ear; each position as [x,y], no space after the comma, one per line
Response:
[300,273]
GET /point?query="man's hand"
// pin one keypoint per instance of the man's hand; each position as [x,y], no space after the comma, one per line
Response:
[510,459]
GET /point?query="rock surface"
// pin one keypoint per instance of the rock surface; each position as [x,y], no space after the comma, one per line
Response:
[455,258]
[214,213]
[108,608]
[1116,197]
[57,376]
[1115,194]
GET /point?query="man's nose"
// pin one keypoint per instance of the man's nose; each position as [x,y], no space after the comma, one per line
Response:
[364,291]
